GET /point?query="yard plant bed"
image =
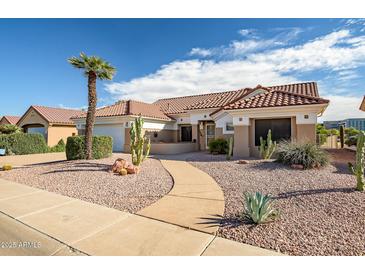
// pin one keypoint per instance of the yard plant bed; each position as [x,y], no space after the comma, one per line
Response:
[320,211]
[91,181]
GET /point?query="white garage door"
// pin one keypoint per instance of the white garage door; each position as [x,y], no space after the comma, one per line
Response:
[115,131]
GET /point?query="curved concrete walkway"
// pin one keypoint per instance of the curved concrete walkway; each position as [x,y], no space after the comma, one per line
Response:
[196,201]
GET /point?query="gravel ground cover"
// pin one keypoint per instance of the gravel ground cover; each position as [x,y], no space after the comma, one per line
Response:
[91,181]
[320,212]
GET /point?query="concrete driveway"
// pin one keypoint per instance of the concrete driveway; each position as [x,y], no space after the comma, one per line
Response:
[31,159]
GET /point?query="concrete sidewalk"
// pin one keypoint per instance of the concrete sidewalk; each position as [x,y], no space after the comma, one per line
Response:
[32,159]
[196,201]
[66,224]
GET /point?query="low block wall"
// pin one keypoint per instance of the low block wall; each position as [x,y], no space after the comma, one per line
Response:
[172,148]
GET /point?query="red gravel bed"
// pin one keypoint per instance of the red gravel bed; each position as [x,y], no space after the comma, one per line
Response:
[321,213]
[91,181]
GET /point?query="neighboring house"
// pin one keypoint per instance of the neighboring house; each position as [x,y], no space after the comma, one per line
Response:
[358,123]
[189,123]
[54,123]
[9,120]
[362,106]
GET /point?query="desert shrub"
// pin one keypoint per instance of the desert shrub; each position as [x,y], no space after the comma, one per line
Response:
[9,129]
[308,155]
[60,147]
[218,145]
[351,141]
[23,143]
[258,208]
[102,147]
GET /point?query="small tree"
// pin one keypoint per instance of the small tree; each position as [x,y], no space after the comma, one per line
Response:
[267,147]
[358,168]
[139,148]
[94,68]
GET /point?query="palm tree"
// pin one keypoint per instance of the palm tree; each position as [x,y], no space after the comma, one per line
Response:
[94,68]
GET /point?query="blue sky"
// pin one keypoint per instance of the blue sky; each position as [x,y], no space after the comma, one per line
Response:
[175,57]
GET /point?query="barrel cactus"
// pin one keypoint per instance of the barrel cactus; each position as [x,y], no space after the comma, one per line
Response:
[358,168]
[267,147]
[140,144]
[7,167]
[123,172]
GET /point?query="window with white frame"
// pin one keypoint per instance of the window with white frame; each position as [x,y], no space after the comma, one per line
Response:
[229,126]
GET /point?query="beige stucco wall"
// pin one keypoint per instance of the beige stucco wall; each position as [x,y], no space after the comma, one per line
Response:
[32,117]
[306,133]
[241,141]
[195,133]
[172,148]
[3,121]
[219,134]
[164,135]
[56,133]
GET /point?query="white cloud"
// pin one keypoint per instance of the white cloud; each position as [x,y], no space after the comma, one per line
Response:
[246,32]
[342,107]
[200,52]
[183,78]
[339,52]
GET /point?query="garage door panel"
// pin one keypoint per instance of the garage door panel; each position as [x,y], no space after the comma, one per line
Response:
[115,131]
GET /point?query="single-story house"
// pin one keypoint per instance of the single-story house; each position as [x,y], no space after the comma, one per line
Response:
[189,123]
[54,123]
[9,120]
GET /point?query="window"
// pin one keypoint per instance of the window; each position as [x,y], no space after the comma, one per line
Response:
[280,129]
[186,134]
[229,127]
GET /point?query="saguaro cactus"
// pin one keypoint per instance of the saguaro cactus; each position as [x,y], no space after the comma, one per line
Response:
[342,135]
[267,147]
[230,148]
[140,144]
[358,168]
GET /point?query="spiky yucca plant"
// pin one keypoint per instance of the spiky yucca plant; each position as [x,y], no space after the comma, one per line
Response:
[267,147]
[258,208]
[139,148]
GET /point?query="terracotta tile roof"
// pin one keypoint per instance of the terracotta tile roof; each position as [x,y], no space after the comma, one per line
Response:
[309,89]
[130,107]
[11,119]
[220,99]
[275,98]
[56,115]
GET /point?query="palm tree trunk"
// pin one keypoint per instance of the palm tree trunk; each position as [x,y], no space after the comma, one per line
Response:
[90,117]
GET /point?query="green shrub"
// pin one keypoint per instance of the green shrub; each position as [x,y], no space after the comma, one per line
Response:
[9,129]
[102,147]
[308,155]
[219,146]
[23,143]
[351,141]
[60,147]
[258,208]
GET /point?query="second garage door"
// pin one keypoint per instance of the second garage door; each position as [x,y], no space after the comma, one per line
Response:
[115,131]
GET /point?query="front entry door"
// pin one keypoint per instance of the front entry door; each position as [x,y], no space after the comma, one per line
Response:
[209,133]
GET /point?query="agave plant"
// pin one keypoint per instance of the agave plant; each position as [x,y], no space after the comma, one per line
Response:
[258,208]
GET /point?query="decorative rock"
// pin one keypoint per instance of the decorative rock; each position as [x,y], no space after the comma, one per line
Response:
[118,165]
[242,162]
[131,169]
[294,166]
